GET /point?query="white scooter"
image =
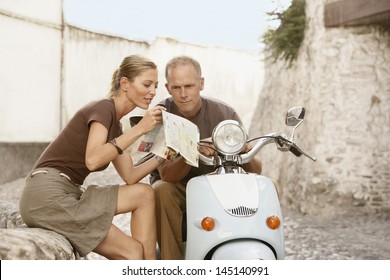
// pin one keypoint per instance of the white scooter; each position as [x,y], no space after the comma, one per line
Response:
[232,214]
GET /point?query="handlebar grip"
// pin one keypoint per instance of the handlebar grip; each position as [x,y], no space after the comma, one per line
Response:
[295,150]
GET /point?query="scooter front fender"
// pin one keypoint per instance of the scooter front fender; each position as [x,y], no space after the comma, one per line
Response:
[243,250]
[206,198]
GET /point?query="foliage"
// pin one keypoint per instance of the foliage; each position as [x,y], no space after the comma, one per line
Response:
[285,41]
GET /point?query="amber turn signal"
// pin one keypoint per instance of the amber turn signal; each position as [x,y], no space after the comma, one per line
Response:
[208,223]
[273,222]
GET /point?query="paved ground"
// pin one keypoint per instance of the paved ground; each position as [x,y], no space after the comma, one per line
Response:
[352,237]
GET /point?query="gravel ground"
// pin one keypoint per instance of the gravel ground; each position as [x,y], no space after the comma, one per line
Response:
[355,236]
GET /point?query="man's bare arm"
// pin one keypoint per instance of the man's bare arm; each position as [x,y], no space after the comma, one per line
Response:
[174,171]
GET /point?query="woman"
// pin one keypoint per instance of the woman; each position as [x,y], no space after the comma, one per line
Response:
[53,197]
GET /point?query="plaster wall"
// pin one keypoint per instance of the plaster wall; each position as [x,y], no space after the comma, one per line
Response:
[49,69]
[233,76]
[30,66]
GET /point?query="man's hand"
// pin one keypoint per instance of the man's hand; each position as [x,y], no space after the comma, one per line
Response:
[206,147]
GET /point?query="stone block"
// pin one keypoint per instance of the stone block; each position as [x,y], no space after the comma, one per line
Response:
[19,242]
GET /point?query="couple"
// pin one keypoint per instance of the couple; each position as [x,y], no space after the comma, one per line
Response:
[53,197]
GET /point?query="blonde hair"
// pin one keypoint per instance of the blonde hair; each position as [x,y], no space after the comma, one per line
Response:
[131,67]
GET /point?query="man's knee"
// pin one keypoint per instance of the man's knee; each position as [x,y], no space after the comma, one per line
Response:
[163,189]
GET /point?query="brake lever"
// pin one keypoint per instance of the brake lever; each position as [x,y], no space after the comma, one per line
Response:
[298,152]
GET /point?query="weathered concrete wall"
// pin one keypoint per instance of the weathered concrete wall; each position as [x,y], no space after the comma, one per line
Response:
[342,77]
[90,59]
[54,69]
[30,65]
[18,158]
[30,82]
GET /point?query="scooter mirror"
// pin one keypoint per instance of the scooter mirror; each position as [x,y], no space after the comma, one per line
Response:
[295,116]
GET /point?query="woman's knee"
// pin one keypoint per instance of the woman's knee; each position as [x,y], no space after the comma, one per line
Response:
[131,197]
[147,191]
[140,190]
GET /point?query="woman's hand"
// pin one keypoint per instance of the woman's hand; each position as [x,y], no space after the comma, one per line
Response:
[151,119]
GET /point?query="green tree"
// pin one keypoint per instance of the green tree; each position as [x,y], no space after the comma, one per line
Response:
[284,41]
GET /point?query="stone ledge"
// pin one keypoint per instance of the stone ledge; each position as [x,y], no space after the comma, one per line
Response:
[19,242]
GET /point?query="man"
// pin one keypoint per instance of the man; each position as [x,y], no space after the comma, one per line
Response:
[184,84]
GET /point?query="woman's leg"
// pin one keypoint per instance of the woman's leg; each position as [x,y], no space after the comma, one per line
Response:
[119,246]
[139,199]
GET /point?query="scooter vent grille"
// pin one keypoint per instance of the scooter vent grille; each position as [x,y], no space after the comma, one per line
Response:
[242,211]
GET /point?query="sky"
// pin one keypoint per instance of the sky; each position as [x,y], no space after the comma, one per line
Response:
[236,24]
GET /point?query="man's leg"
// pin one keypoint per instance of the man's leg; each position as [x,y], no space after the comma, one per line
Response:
[170,205]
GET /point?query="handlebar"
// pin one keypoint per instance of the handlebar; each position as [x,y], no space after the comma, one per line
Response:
[281,140]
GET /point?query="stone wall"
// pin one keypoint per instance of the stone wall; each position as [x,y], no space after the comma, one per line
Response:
[342,77]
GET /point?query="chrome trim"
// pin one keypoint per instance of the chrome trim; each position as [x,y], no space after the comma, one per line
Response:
[242,211]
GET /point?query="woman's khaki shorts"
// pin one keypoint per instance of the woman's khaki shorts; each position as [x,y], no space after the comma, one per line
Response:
[51,201]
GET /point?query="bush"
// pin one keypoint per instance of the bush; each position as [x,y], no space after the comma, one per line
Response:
[284,42]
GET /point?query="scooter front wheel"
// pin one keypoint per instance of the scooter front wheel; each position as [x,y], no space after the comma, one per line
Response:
[244,250]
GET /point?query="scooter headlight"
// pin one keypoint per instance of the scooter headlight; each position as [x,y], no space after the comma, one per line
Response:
[229,137]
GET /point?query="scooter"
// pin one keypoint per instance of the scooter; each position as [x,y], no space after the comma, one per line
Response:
[232,214]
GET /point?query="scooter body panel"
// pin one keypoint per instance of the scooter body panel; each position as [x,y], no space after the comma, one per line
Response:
[210,196]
